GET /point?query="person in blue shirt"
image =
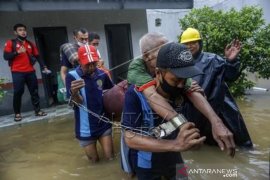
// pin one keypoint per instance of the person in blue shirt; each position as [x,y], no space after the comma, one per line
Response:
[85,86]
[151,158]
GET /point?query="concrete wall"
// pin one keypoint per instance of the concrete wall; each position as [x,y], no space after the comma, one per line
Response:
[170,18]
[92,20]
[169,22]
[239,4]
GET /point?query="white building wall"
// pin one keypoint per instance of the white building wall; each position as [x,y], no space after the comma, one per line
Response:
[169,22]
[170,18]
[239,4]
[92,20]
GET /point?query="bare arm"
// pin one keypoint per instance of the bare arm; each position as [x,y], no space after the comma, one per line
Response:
[63,73]
[187,138]
[159,104]
[221,133]
[76,85]
[232,65]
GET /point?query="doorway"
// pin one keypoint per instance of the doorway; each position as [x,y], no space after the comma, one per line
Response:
[48,41]
[119,44]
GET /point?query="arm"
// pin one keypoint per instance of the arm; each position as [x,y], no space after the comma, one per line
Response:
[63,73]
[232,70]
[187,138]
[9,54]
[132,118]
[73,87]
[232,65]
[65,65]
[138,75]
[37,56]
[41,62]
[159,104]
[221,133]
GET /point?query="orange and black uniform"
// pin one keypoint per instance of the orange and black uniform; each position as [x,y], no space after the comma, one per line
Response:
[22,72]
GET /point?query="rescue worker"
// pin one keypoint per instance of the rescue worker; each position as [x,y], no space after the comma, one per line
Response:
[216,72]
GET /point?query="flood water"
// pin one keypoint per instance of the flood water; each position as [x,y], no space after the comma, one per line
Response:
[48,150]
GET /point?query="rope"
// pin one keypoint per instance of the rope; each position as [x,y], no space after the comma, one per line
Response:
[107,120]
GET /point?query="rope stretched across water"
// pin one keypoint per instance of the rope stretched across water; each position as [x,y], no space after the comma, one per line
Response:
[107,120]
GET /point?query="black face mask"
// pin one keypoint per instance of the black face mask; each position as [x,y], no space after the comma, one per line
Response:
[171,90]
[21,38]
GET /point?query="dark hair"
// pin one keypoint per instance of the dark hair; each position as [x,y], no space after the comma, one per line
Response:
[82,30]
[92,36]
[18,25]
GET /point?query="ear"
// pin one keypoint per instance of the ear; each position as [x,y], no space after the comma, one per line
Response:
[157,71]
[15,32]
[158,74]
[144,57]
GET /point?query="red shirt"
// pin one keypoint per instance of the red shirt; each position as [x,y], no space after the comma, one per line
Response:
[21,62]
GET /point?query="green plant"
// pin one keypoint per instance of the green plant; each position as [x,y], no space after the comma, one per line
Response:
[218,28]
[2,92]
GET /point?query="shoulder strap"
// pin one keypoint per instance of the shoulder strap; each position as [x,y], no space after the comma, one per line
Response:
[148,119]
[31,44]
[14,42]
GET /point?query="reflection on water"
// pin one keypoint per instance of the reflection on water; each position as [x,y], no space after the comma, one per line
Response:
[48,150]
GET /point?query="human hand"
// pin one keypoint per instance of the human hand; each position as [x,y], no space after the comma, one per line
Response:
[188,137]
[223,137]
[21,50]
[75,61]
[233,49]
[46,71]
[76,85]
[196,88]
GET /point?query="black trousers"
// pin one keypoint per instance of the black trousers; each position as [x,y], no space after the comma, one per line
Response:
[19,80]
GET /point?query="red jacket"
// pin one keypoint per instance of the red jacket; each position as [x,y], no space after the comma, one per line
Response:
[20,62]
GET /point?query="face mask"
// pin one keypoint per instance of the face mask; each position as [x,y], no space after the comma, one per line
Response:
[21,38]
[81,44]
[171,90]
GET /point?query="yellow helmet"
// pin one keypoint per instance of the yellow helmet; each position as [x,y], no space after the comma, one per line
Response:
[189,35]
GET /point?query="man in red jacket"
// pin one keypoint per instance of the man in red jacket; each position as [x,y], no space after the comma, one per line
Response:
[21,55]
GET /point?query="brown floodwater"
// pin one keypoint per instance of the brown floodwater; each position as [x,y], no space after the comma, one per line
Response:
[48,150]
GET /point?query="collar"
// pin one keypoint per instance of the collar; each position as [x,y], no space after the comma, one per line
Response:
[146,85]
[80,72]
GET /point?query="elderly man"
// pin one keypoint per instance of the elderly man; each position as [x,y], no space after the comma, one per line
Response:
[141,73]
